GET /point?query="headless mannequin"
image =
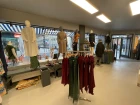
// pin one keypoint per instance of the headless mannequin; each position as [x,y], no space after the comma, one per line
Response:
[13,52]
[92,41]
[62,42]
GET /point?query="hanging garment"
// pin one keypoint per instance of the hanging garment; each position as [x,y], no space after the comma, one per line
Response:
[86,73]
[62,42]
[91,75]
[34,62]
[81,72]
[73,78]
[92,39]
[65,71]
[30,42]
[2,57]
[9,52]
[2,88]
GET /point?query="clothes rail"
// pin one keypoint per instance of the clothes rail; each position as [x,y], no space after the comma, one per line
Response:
[80,98]
[79,51]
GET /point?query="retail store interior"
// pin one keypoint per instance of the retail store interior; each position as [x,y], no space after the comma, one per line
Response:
[69,52]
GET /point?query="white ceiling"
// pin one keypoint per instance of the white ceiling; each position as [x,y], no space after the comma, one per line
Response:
[117,10]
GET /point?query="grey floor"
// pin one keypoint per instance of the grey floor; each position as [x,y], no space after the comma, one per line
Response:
[116,84]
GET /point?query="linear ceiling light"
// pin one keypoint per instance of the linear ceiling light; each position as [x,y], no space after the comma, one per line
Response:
[103,18]
[85,5]
[135,7]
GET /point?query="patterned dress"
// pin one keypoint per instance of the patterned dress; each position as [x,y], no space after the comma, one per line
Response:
[2,88]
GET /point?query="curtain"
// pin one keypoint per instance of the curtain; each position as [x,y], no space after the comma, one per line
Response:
[2,57]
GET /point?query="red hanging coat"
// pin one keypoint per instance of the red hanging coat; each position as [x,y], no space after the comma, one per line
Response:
[86,73]
[91,75]
[65,71]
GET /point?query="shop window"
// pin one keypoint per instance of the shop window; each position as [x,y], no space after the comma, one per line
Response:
[97,37]
[46,42]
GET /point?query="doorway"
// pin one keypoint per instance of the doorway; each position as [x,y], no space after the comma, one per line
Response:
[116,46]
[122,46]
[126,47]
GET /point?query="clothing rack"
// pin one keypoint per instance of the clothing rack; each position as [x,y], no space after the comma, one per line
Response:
[80,51]
[80,98]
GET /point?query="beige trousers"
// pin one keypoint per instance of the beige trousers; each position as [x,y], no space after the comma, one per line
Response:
[92,50]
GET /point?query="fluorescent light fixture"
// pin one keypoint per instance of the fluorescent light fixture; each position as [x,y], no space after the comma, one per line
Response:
[103,18]
[135,7]
[85,5]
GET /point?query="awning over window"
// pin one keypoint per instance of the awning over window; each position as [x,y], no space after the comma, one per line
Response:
[8,27]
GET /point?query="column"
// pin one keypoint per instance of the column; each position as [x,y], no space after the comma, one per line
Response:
[82,36]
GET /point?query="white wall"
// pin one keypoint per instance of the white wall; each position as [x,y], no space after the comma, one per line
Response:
[18,16]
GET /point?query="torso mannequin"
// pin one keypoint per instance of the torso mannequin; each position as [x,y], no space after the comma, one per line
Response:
[92,41]
[29,38]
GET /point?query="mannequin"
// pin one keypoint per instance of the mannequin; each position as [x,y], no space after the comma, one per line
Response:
[62,42]
[11,52]
[29,38]
[75,42]
[107,41]
[30,44]
[92,41]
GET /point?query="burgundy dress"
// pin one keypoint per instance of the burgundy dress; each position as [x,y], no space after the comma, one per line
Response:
[91,75]
[81,72]
[86,73]
[65,71]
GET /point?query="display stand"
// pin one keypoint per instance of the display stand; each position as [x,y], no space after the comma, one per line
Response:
[80,98]
[108,57]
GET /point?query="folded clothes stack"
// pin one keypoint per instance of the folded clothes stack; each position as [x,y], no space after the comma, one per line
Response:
[27,83]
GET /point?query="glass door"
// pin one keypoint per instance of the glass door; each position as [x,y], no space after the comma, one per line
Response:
[126,47]
[116,45]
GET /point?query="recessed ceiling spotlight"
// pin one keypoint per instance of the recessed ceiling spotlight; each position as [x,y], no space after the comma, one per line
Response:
[135,7]
[85,5]
[103,18]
